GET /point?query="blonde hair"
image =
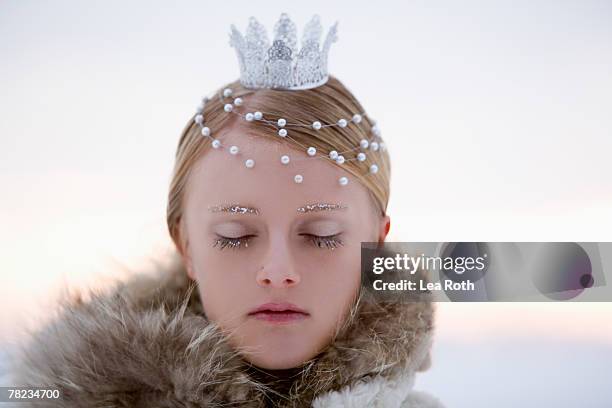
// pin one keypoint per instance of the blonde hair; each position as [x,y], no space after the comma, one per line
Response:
[326,103]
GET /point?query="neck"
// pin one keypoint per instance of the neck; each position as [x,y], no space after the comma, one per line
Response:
[279,380]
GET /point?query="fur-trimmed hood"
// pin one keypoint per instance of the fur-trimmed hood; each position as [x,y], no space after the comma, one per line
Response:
[147,343]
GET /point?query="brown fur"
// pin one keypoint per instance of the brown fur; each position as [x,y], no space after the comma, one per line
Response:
[148,344]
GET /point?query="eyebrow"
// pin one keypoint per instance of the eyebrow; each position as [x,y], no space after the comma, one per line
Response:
[244,209]
[233,209]
[321,207]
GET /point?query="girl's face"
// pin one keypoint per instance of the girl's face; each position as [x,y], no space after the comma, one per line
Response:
[277,276]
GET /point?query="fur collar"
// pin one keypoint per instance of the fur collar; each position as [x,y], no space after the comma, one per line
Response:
[146,343]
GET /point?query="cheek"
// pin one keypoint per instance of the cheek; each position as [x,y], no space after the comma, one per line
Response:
[222,280]
[338,277]
[333,284]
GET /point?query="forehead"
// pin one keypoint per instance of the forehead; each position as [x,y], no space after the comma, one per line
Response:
[219,176]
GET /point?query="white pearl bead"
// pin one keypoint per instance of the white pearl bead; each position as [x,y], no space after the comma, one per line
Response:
[200,108]
[216,144]
[199,119]
[333,155]
[343,181]
[298,178]
[250,163]
[340,159]
[238,101]
[205,131]
[248,117]
[234,150]
[281,122]
[364,143]
[258,115]
[373,169]
[316,125]
[285,159]
[374,146]
[282,132]
[228,107]
[357,118]
[342,123]
[227,92]
[361,157]
[376,130]
[311,151]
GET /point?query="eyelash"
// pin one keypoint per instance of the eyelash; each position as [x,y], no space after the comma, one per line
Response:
[327,242]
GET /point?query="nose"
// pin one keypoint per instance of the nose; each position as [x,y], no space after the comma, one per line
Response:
[278,270]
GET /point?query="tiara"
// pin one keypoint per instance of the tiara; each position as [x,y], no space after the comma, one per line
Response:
[367,152]
[281,65]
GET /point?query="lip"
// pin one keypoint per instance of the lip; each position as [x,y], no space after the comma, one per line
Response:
[282,312]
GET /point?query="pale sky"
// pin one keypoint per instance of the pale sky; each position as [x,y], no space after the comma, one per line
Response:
[496,115]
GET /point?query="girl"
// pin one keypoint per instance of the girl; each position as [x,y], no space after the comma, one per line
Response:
[262,304]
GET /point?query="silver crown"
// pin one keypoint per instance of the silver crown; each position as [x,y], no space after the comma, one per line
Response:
[281,65]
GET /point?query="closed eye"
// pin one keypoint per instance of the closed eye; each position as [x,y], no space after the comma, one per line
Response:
[320,241]
[327,241]
[234,243]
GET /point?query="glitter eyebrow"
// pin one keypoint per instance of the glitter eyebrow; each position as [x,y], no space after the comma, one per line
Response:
[233,209]
[321,207]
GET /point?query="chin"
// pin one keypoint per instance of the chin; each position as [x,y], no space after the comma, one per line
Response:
[276,353]
[281,347]
[277,360]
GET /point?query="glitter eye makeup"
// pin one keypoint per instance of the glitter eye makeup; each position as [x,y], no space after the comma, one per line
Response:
[241,209]
[327,242]
[324,242]
[233,209]
[233,243]
[321,207]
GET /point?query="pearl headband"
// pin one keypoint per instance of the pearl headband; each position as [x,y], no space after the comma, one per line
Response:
[367,146]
